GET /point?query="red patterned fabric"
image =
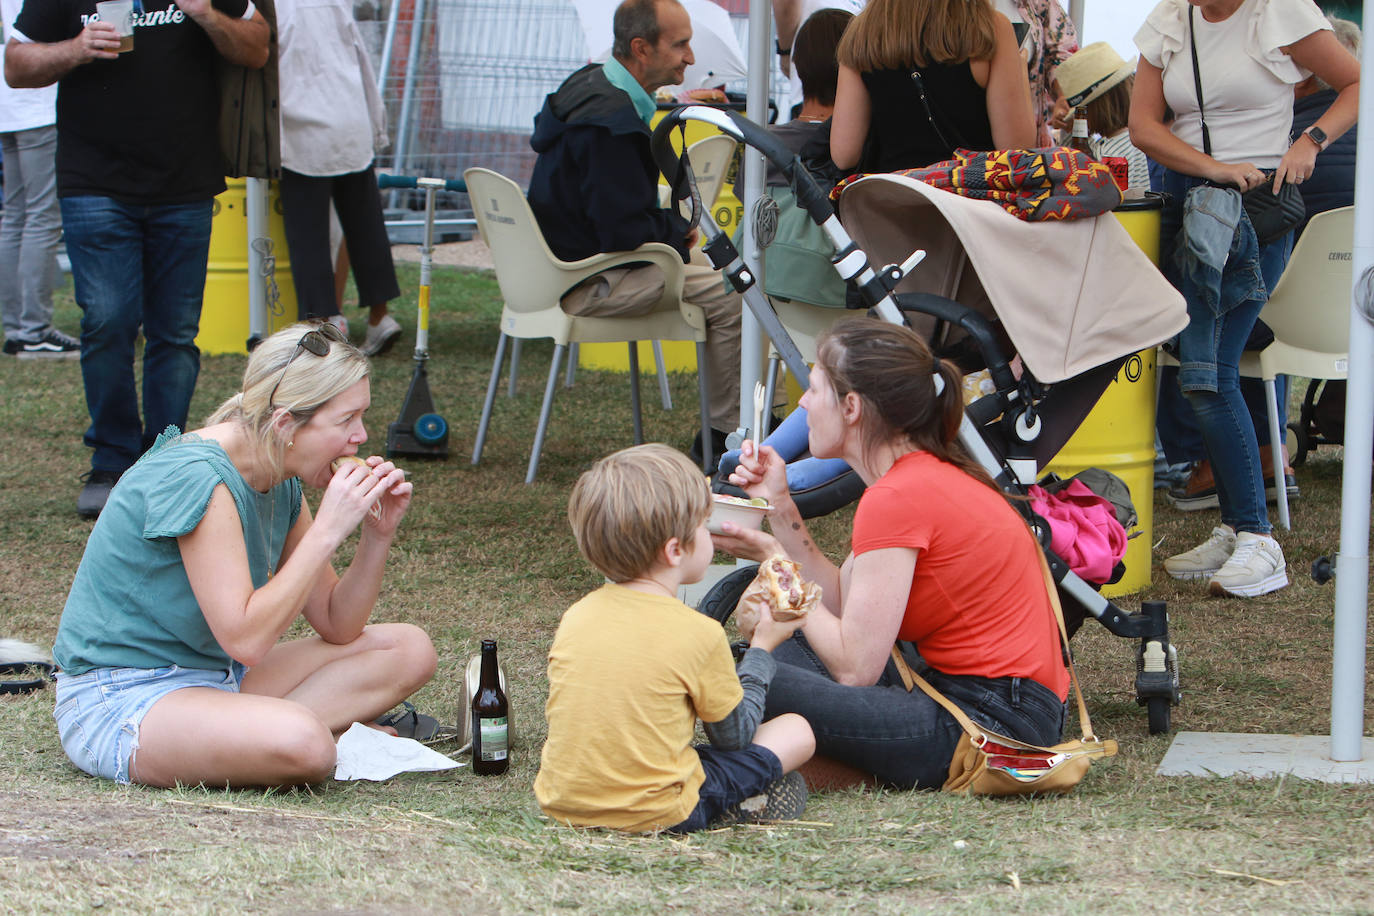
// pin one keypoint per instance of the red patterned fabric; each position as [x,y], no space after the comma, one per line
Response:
[1055,183]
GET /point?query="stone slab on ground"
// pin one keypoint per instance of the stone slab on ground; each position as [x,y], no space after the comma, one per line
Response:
[691,595]
[1263,756]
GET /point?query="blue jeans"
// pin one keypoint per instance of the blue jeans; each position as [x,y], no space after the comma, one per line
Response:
[905,739]
[790,440]
[1218,336]
[1177,424]
[136,266]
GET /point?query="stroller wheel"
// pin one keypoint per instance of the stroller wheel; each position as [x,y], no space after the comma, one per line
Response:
[1302,444]
[430,429]
[1160,710]
[720,602]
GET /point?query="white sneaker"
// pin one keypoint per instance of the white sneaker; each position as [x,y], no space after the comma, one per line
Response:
[1206,558]
[1256,567]
[339,322]
[381,336]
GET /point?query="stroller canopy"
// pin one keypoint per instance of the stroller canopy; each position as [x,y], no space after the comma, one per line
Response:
[1070,295]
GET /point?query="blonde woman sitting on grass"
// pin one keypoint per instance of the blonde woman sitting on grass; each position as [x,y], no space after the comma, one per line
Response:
[172,671]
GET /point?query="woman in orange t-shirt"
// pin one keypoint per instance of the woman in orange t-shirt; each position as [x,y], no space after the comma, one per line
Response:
[938,559]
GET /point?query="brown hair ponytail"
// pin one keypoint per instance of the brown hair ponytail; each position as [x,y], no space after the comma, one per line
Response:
[895,374]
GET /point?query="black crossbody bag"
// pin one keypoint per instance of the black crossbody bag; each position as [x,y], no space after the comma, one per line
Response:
[1272,215]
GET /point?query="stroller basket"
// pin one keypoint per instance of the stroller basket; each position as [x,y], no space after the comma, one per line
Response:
[1004,295]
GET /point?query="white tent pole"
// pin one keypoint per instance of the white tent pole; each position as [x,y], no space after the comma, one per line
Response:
[1352,563]
[756,109]
[388,42]
[1076,14]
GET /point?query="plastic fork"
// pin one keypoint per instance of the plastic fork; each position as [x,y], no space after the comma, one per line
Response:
[760,396]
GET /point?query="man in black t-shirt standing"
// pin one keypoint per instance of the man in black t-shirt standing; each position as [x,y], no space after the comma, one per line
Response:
[138,167]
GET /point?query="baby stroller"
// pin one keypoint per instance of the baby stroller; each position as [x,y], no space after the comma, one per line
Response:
[973,303]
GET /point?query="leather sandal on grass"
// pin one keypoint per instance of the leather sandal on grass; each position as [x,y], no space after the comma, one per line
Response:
[409,723]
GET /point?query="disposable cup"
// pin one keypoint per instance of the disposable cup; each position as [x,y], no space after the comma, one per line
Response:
[120,14]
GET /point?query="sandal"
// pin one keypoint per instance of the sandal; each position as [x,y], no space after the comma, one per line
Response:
[411,724]
[45,672]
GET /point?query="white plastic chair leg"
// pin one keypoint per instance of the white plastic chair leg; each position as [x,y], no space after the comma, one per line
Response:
[514,365]
[1276,442]
[661,368]
[545,411]
[634,393]
[571,371]
[490,399]
[704,389]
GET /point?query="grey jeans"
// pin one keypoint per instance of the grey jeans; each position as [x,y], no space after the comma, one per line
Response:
[29,232]
[903,737]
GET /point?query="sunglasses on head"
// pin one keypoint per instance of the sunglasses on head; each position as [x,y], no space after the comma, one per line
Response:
[315,341]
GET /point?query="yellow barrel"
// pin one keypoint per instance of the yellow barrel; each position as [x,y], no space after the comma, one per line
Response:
[727,213]
[1119,434]
[224,314]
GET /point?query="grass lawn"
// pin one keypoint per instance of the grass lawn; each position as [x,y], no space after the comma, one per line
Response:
[481,554]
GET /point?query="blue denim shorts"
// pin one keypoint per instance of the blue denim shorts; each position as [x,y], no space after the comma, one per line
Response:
[731,777]
[99,713]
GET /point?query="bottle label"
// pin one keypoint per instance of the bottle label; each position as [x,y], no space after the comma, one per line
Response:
[491,738]
[1080,128]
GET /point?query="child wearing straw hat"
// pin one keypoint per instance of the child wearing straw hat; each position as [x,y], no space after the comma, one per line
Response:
[1097,77]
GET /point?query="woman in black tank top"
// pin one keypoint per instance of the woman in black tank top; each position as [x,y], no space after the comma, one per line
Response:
[921,78]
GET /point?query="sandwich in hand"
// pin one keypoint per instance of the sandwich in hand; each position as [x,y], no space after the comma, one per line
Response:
[348,459]
[779,589]
[345,460]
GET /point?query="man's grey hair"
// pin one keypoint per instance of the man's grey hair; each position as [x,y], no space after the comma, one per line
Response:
[634,19]
[1348,34]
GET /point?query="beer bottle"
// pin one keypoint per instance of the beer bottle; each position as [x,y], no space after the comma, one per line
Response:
[1079,139]
[490,725]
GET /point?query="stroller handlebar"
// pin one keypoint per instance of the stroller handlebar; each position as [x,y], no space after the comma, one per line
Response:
[411,181]
[732,123]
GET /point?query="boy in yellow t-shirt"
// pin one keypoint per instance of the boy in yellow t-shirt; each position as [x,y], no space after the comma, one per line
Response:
[632,669]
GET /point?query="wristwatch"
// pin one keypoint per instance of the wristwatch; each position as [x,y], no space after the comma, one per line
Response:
[1317,136]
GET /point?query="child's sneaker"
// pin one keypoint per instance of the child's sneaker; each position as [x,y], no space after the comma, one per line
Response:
[785,800]
[1256,567]
[1206,558]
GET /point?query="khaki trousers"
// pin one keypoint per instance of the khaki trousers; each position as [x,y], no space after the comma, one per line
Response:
[625,291]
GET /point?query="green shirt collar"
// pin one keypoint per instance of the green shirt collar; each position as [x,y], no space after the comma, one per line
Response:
[645,106]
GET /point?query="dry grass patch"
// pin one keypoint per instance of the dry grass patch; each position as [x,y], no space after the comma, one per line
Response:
[482,554]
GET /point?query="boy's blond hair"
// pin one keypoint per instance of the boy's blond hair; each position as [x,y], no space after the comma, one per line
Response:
[631,503]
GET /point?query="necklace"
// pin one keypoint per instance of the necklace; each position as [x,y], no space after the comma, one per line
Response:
[265,528]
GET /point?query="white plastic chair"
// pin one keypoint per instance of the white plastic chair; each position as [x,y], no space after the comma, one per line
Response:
[710,158]
[804,323]
[1309,312]
[533,281]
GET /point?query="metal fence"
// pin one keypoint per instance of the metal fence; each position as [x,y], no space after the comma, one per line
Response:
[463,79]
